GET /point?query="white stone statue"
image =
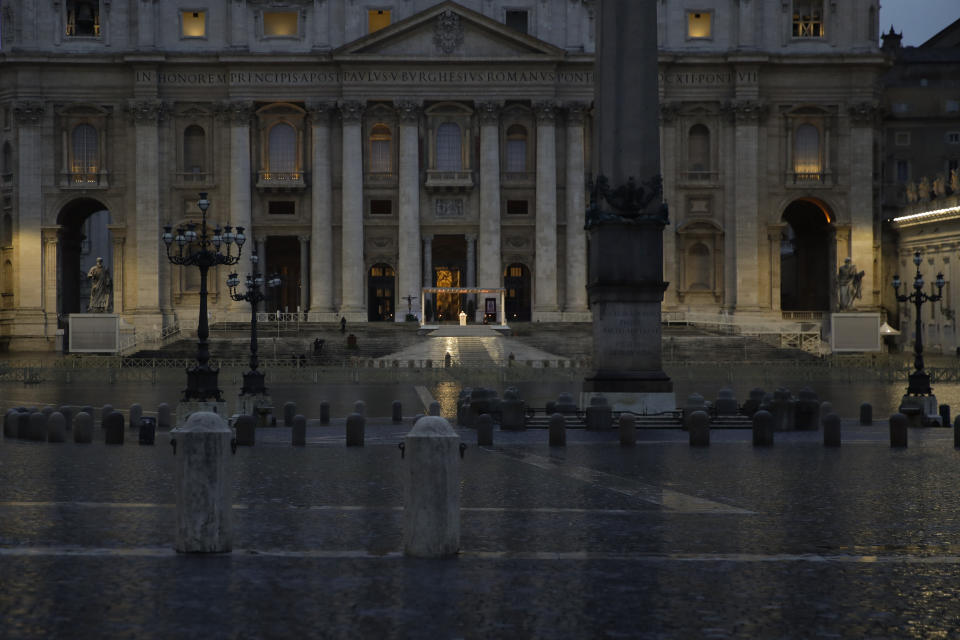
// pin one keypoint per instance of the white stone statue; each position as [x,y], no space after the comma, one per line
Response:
[923,189]
[100,287]
[912,195]
[955,181]
[940,186]
[848,285]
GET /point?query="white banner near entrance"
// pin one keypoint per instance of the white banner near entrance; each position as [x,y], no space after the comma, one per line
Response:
[94,333]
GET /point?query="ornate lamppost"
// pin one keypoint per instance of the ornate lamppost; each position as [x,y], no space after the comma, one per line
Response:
[202,250]
[919,380]
[252,379]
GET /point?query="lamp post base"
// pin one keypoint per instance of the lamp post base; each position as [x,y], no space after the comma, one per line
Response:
[253,383]
[921,411]
[919,384]
[202,384]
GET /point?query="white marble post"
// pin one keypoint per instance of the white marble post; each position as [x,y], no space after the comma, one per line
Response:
[545,285]
[304,297]
[146,115]
[865,119]
[408,232]
[321,221]
[239,214]
[747,115]
[27,247]
[351,215]
[489,262]
[576,291]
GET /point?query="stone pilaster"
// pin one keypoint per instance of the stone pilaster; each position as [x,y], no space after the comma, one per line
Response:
[321,222]
[304,298]
[864,119]
[238,116]
[351,241]
[489,263]
[428,261]
[747,116]
[408,232]
[27,248]
[576,292]
[545,286]
[49,277]
[146,23]
[146,115]
[118,238]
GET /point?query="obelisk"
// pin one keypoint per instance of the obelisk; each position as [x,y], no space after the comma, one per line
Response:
[626,216]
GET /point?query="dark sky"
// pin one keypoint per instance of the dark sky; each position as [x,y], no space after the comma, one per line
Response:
[917,19]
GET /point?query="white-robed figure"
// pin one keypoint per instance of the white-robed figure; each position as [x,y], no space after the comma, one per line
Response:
[100,285]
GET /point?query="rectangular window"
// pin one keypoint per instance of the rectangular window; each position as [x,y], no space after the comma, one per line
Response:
[281,207]
[953,137]
[381,207]
[699,24]
[377,19]
[83,18]
[279,24]
[193,24]
[807,18]
[902,138]
[903,171]
[517,19]
[517,207]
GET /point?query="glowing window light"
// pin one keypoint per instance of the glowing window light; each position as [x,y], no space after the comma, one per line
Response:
[698,24]
[280,23]
[194,24]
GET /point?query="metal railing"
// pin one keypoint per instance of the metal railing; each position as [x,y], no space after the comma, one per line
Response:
[784,335]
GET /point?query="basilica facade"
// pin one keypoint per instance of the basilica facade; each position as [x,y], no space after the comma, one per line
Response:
[373,151]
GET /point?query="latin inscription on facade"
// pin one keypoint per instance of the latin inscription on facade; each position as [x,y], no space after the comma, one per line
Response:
[708,78]
[333,77]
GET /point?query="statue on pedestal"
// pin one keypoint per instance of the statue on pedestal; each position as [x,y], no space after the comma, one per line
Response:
[848,285]
[940,185]
[912,194]
[100,287]
[955,181]
[923,189]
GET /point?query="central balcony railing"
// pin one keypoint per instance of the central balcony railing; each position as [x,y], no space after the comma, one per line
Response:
[281,180]
[439,179]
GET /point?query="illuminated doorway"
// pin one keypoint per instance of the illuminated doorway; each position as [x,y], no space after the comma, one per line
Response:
[806,271]
[448,304]
[381,284]
[516,280]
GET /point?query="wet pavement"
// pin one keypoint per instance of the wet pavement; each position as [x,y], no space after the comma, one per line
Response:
[588,541]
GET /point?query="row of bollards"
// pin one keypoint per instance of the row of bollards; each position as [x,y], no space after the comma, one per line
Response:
[49,425]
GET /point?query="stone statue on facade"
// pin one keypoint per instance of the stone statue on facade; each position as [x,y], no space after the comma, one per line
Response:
[912,195]
[923,189]
[100,287]
[848,285]
[940,185]
[955,181]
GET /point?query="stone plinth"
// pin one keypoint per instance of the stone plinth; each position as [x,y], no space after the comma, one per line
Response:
[431,498]
[185,409]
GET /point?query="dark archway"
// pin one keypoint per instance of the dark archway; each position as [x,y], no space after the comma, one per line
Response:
[806,272]
[283,257]
[516,280]
[381,285]
[83,238]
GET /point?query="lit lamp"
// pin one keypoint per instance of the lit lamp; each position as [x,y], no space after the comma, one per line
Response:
[919,380]
[252,379]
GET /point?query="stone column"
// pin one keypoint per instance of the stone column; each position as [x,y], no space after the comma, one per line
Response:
[27,247]
[472,274]
[321,222]
[304,297]
[239,215]
[576,293]
[489,263]
[774,236]
[146,115]
[351,215]
[408,231]
[118,237]
[747,115]
[672,260]
[864,119]
[427,271]
[49,278]
[545,285]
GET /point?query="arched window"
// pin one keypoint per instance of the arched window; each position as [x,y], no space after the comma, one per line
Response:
[806,153]
[194,150]
[698,152]
[7,158]
[516,148]
[448,147]
[699,268]
[283,152]
[85,147]
[380,152]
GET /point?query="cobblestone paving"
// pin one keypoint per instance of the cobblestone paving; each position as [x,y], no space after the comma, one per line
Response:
[588,541]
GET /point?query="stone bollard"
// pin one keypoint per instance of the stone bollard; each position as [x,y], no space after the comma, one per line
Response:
[783,409]
[599,415]
[23,424]
[105,411]
[147,431]
[434,409]
[83,428]
[726,403]
[513,411]
[945,415]
[558,430]
[762,429]
[289,410]
[898,430]
[417,417]
[324,412]
[204,484]
[355,428]
[397,412]
[88,409]
[56,427]
[113,428]
[431,492]
[298,436]
[163,416]
[67,412]
[695,402]
[47,410]
[628,430]
[246,427]
[831,430]
[699,428]
[565,404]
[956,433]
[806,412]
[37,430]
[10,421]
[360,407]
[866,414]
[134,415]
[752,405]
[484,426]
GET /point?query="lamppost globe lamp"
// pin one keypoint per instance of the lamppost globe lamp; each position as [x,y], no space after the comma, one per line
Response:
[204,250]
[919,384]
[253,380]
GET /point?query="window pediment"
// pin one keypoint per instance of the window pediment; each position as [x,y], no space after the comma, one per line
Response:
[281,109]
[82,110]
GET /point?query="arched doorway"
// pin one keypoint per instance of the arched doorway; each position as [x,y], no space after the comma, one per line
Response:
[516,280]
[806,271]
[83,238]
[283,258]
[381,283]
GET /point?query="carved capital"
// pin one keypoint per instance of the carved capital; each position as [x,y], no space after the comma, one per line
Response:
[576,112]
[546,111]
[408,111]
[320,112]
[28,112]
[351,111]
[669,111]
[746,111]
[145,111]
[864,113]
[238,113]
[489,113]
